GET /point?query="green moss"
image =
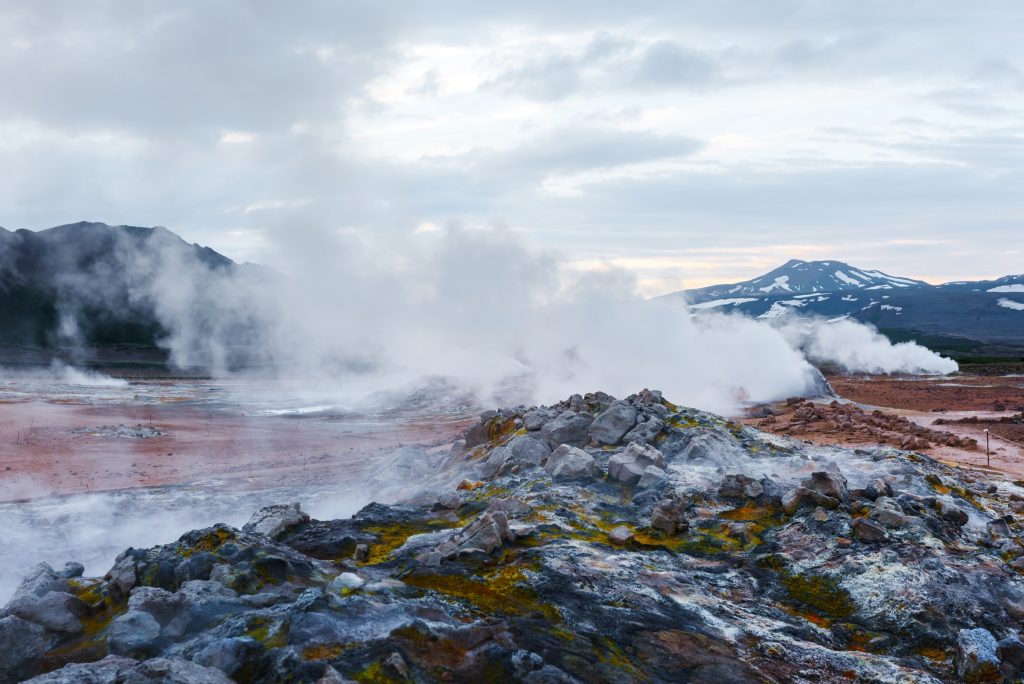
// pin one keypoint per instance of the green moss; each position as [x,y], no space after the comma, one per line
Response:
[270,633]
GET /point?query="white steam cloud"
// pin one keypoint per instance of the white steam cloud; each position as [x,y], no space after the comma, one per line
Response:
[361,314]
[858,348]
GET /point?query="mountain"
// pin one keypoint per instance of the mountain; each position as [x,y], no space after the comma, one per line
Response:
[89,288]
[807,277]
[958,318]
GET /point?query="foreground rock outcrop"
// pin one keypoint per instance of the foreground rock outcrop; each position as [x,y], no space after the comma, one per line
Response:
[595,540]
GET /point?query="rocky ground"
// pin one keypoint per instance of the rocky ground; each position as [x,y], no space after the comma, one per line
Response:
[594,540]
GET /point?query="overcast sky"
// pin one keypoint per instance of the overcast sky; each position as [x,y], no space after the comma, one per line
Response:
[692,142]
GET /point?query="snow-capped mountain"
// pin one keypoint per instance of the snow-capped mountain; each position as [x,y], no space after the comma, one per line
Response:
[982,317]
[807,277]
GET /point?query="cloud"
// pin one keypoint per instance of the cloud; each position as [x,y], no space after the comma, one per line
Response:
[669,64]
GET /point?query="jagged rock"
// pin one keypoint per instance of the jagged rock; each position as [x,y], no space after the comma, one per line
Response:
[876,488]
[620,535]
[110,670]
[485,534]
[998,528]
[828,484]
[72,570]
[568,428]
[1010,652]
[976,659]
[629,465]
[645,431]
[21,643]
[534,420]
[232,655]
[569,462]
[740,487]
[40,581]
[122,576]
[798,496]
[523,451]
[396,664]
[56,611]
[275,519]
[173,671]
[134,633]
[510,506]
[951,513]
[653,476]
[670,517]
[613,423]
[865,530]
[887,512]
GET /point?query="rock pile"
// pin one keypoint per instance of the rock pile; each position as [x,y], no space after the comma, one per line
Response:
[594,540]
[877,426]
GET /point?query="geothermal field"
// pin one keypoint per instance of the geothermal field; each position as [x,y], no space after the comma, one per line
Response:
[577,342]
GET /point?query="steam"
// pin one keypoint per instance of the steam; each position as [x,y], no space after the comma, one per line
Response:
[364,314]
[858,348]
[75,376]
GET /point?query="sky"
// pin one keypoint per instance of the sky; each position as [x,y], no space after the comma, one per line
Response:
[689,142]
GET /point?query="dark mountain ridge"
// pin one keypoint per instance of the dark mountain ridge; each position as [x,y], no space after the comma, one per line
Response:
[962,318]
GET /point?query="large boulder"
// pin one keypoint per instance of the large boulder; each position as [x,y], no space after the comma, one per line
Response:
[40,580]
[569,462]
[56,611]
[522,451]
[976,659]
[740,487]
[21,643]
[628,466]
[568,428]
[134,633]
[273,520]
[828,484]
[485,534]
[611,425]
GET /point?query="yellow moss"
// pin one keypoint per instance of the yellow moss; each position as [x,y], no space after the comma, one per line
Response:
[324,652]
[392,537]
[271,634]
[502,590]
[933,653]
[819,592]
[375,674]
[210,542]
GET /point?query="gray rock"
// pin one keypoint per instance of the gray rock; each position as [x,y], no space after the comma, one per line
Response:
[951,513]
[133,633]
[740,487]
[613,423]
[122,576]
[866,530]
[485,534]
[21,642]
[828,484]
[629,465]
[975,657]
[72,570]
[620,535]
[106,671]
[669,517]
[523,451]
[347,581]
[174,671]
[40,581]
[569,462]
[653,476]
[273,520]
[1011,655]
[568,428]
[56,611]
[645,431]
[799,496]
[229,655]
[878,487]
[998,528]
[534,420]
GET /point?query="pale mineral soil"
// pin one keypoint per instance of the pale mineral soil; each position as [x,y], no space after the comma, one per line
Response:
[995,402]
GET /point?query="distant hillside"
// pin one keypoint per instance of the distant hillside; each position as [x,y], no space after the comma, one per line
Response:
[87,289]
[960,318]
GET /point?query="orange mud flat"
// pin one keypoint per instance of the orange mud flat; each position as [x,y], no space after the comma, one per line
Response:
[59,448]
[944,417]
